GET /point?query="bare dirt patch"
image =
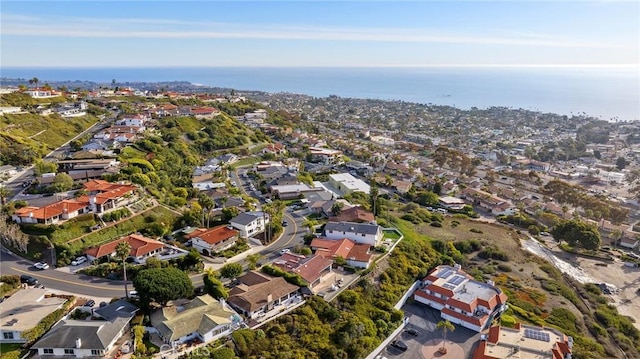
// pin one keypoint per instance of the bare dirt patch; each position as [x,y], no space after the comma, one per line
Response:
[625,279]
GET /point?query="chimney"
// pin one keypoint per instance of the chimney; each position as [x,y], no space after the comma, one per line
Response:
[78,343]
[269,298]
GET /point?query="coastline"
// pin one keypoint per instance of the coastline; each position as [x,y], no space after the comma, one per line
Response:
[609,95]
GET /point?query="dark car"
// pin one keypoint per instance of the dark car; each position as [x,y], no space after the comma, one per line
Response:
[412,332]
[399,345]
[28,280]
[90,303]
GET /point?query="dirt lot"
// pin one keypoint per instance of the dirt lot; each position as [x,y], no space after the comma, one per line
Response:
[625,279]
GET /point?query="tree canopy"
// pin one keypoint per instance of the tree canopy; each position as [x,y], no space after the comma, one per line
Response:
[577,233]
[231,270]
[162,285]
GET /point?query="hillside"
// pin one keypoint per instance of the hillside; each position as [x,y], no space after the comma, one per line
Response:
[164,160]
[26,137]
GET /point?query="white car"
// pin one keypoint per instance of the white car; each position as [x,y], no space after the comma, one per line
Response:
[41,265]
[286,250]
[78,261]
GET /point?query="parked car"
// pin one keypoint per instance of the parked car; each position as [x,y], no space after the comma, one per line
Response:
[285,223]
[78,261]
[412,332]
[90,303]
[28,279]
[41,265]
[399,345]
[285,250]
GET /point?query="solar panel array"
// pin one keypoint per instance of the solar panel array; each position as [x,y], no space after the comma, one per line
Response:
[445,273]
[456,280]
[449,286]
[537,335]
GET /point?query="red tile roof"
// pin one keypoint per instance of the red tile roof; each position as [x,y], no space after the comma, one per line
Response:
[354,214]
[344,248]
[52,210]
[479,321]
[140,246]
[214,235]
[423,294]
[360,253]
[312,269]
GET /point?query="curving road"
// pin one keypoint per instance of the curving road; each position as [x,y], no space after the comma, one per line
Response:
[63,280]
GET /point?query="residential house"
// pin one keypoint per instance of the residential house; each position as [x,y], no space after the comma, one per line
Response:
[286,192]
[495,204]
[461,299]
[355,214]
[141,248]
[401,187]
[249,224]
[138,120]
[52,213]
[347,184]
[40,93]
[275,149]
[203,318]
[210,240]
[356,254]
[630,243]
[258,293]
[451,202]
[88,338]
[205,112]
[367,233]
[312,269]
[228,158]
[525,342]
[325,155]
[23,311]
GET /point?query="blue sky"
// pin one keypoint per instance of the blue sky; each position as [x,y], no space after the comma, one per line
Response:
[319,33]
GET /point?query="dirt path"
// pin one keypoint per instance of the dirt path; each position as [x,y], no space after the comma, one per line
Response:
[616,274]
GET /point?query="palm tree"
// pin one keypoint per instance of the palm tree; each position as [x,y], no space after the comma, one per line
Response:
[4,192]
[310,223]
[35,81]
[446,326]
[122,252]
[207,204]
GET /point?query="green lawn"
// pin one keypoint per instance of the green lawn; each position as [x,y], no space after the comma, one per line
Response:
[73,228]
[131,225]
[247,161]
[393,235]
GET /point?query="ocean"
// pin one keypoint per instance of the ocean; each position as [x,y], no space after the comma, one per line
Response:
[607,93]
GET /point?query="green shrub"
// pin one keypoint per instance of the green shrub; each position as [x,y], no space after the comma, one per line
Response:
[436,224]
[493,253]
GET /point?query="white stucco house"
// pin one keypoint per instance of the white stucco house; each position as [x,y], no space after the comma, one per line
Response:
[250,223]
[367,233]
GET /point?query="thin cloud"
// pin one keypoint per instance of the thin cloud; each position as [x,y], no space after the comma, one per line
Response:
[18,25]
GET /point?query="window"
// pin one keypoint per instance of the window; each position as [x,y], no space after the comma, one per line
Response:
[8,335]
[68,351]
[96,352]
[47,351]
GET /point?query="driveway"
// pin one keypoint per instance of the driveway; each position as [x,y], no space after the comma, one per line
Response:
[425,319]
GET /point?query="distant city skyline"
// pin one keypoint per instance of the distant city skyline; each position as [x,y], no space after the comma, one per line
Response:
[320,34]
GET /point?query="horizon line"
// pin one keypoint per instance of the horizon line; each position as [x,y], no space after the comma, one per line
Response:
[629,66]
